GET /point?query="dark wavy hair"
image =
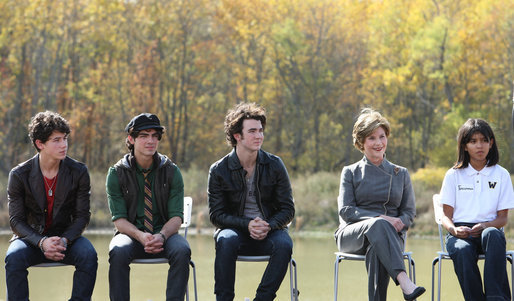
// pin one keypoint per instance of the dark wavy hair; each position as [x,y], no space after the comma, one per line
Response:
[43,124]
[235,117]
[466,131]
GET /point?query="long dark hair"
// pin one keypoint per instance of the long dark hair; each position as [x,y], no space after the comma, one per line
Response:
[466,131]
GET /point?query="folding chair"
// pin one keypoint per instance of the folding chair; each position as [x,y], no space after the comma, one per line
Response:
[293,280]
[340,256]
[443,254]
[188,205]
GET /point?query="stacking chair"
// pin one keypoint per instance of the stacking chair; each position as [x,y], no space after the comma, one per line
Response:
[188,205]
[341,256]
[293,280]
[443,254]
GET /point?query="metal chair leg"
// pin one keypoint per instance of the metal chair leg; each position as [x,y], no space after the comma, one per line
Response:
[439,268]
[336,276]
[293,280]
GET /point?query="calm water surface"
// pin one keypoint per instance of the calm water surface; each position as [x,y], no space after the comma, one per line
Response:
[315,273]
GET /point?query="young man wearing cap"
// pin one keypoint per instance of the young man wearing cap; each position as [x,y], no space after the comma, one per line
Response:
[145,192]
[48,199]
[251,204]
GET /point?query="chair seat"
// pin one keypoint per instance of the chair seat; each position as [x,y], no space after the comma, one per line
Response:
[50,264]
[344,255]
[150,260]
[253,258]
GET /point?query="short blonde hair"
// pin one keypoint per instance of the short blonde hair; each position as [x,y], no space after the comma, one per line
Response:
[368,121]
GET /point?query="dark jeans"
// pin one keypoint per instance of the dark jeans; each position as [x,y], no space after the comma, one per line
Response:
[123,249]
[230,243]
[21,255]
[464,254]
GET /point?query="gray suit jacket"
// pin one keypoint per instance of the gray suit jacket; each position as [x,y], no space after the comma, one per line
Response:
[367,191]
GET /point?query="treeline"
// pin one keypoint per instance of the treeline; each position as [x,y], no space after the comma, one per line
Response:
[426,64]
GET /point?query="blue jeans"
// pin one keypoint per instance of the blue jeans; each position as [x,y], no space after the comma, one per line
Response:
[464,254]
[230,243]
[123,249]
[21,255]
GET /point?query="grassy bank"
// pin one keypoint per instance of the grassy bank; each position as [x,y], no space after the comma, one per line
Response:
[315,200]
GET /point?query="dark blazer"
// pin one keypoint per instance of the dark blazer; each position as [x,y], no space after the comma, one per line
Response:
[227,192]
[27,201]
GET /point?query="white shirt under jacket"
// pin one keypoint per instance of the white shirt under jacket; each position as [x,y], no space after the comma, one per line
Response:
[477,196]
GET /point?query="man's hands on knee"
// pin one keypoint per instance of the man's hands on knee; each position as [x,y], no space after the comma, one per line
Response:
[258,228]
[53,248]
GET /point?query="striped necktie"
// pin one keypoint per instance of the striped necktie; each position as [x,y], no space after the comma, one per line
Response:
[148,204]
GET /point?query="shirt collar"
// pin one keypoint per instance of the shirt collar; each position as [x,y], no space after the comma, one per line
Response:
[143,171]
[486,171]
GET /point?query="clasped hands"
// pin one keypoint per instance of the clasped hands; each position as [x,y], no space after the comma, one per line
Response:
[465,231]
[53,248]
[258,228]
[153,243]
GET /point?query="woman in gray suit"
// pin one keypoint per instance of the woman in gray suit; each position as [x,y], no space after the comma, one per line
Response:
[376,207]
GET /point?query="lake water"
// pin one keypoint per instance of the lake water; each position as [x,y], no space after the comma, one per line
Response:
[314,256]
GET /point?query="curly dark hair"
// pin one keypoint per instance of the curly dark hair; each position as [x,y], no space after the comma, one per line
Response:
[43,124]
[235,117]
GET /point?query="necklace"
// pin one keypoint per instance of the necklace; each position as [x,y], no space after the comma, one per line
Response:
[50,192]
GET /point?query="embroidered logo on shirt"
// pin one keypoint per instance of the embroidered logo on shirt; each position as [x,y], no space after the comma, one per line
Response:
[462,187]
[492,185]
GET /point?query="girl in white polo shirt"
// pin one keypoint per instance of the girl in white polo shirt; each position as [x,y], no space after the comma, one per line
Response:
[476,196]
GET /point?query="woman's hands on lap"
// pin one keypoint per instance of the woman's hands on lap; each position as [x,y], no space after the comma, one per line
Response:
[395,221]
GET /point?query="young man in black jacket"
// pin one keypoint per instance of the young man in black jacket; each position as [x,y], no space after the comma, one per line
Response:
[145,192]
[48,199]
[251,204]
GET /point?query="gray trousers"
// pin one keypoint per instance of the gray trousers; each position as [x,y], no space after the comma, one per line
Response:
[383,247]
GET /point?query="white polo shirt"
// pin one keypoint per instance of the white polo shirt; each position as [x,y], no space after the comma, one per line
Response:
[477,196]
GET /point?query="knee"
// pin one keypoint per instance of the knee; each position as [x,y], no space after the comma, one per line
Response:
[227,241]
[16,260]
[88,259]
[284,245]
[380,224]
[178,247]
[17,257]
[493,237]
[492,233]
[120,255]
[460,249]
[379,230]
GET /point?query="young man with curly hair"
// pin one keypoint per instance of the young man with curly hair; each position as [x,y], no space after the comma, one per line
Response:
[48,199]
[250,203]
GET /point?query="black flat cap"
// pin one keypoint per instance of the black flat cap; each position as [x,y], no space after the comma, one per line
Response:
[144,121]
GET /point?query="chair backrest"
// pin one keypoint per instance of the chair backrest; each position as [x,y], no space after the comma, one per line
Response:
[188,207]
[438,216]
[438,208]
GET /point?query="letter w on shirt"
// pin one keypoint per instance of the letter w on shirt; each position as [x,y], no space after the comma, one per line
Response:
[492,185]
